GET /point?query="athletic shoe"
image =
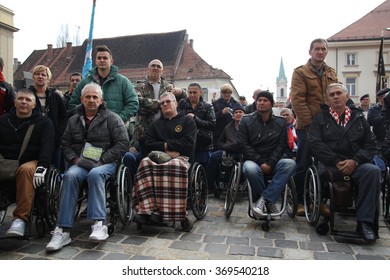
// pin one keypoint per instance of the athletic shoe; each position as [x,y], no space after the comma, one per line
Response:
[58,240]
[17,228]
[99,231]
[259,207]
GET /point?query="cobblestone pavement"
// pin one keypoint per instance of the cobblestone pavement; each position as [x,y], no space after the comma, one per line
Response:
[213,238]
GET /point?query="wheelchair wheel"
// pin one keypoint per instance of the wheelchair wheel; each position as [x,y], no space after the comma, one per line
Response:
[231,192]
[40,227]
[53,194]
[312,195]
[292,199]
[198,190]
[123,195]
[386,198]
[187,225]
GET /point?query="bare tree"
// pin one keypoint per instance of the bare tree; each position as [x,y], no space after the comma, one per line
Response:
[64,36]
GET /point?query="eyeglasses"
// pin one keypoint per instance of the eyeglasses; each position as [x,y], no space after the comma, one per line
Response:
[166,102]
[155,66]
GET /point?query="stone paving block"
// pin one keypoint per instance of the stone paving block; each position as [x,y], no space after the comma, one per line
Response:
[314,237]
[136,240]
[238,240]
[112,247]
[66,253]
[191,237]
[137,257]
[286,244]
[11,256]
[274,235]
[116,256]
[294,254]
[339,247]
[214,249]
[369,257]
[242,250]
[170,235]
[214,239]
[261,242]
[186,245]
[32,248]
[270,252]
[332,256]
[210,229]
[89,255]
[313,246]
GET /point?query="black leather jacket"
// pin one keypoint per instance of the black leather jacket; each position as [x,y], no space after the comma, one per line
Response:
[331,143]
[262,142]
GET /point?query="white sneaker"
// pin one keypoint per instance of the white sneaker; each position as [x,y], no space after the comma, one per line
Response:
[99,231]
[58,240]
[17,228]
[259,207]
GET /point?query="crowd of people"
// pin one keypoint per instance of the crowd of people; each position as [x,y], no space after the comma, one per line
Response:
[104,119]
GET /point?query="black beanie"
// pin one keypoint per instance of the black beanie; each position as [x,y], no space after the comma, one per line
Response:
[238,107]
[267,95]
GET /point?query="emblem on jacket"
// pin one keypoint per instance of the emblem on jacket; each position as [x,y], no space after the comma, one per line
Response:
[178,128]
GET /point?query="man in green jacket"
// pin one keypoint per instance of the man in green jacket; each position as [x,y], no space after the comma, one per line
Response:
[118,92]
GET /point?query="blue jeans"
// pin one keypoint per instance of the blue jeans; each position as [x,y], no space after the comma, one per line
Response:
[303,162]
[72,180]
[131,161]
[284,169]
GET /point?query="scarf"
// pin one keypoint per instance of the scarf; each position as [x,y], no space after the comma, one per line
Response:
[336,117]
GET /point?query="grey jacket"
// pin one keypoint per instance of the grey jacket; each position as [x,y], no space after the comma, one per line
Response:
[106,131]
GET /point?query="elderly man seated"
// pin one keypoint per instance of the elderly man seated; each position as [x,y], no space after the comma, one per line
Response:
[342,141]
[160,189]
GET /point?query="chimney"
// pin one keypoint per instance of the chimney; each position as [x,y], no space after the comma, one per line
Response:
[68,49]
[49,52]
[192,43]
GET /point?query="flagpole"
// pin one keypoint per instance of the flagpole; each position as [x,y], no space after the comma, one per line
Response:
[88,53]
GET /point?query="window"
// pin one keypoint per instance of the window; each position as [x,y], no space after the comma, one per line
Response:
[282,92]
[351,59]
[351,86]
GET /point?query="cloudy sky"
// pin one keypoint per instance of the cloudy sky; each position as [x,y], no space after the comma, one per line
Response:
[246,38]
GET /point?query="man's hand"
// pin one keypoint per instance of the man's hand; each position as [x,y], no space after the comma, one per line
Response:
[39,176]
[133,150]
[177,91]
[346,167]
[172,154]
[266,168]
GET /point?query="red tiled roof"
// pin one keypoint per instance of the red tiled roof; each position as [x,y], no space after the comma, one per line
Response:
[131,54]
[368,27]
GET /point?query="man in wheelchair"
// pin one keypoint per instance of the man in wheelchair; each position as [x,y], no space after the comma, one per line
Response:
[36,157]
[341,140]
[94,141]
[161,181]
[263,138]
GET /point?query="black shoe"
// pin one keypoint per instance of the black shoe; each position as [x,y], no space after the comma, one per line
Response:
[367,232]
[141,219]
[155,219]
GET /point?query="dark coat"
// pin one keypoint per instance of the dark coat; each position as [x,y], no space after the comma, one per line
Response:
[204,117]
[41,144]
[228,139]
[222,119]
[262,142]
[179,133]
[331,143]
[55,111]
[374,118]
[106,131]
[7,96]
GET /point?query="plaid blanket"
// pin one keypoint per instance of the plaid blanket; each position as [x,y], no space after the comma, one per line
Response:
[162,188]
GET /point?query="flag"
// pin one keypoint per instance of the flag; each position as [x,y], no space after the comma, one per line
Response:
[381,72]
[88,53]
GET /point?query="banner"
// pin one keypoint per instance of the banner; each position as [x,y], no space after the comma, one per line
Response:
[88,53]
[381,72]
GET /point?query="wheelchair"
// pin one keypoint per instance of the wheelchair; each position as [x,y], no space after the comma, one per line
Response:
[340,193]
[197,198]
[44,207]
[118,198]
[236,183]
[288,203]
[385,185]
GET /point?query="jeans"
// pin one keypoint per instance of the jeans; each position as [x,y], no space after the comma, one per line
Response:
[212,170]
[131,161]
[72,180]
[303,162]
[284,169]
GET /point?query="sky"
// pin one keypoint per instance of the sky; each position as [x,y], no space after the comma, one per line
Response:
[247,39]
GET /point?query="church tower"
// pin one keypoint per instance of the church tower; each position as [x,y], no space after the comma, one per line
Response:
[281,85]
